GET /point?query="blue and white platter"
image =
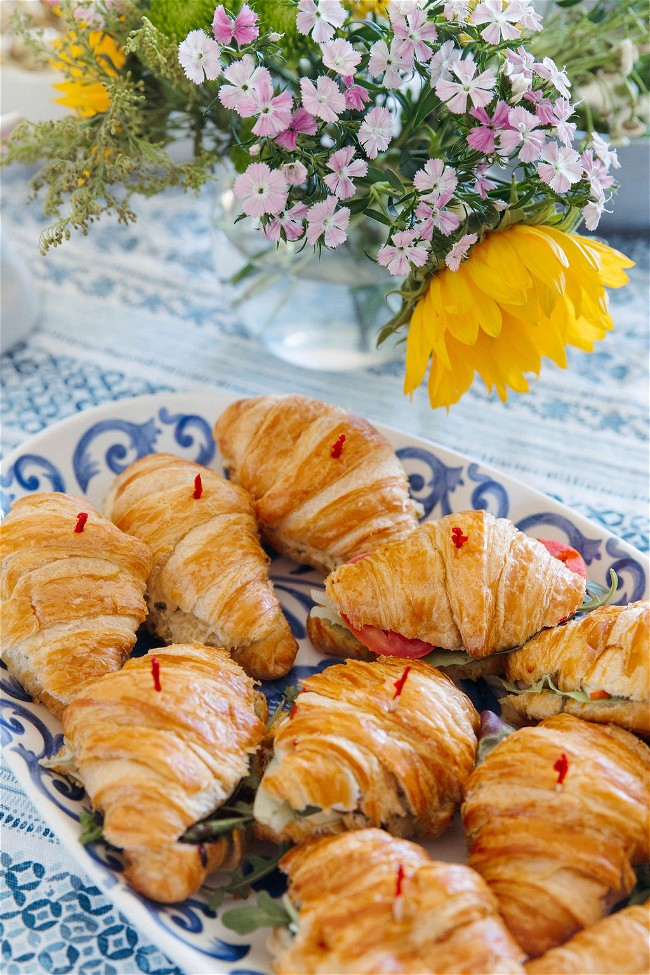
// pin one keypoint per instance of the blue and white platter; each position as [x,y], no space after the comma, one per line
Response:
[81,456]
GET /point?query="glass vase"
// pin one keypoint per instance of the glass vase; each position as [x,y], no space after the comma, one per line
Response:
[313,311]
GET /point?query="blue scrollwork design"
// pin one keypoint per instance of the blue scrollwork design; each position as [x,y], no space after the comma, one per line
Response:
[430,481]
[185,919]
[186,437]
[486,486]
[141,439]
[29,472]
[589,548]
[625,566]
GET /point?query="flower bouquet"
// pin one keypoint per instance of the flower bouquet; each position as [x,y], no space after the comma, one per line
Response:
[433,119]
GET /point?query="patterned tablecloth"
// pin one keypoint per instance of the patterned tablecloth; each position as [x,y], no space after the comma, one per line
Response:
[132,310]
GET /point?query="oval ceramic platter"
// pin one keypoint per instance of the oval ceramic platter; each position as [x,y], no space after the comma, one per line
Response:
[81,456]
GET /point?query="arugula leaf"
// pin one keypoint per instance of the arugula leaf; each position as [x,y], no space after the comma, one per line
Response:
[598,595]
[91,827]
[265,913]
[240,884]
[289,695]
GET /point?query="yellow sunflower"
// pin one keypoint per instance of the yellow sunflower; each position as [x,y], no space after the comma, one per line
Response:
[85,90]
[523,294]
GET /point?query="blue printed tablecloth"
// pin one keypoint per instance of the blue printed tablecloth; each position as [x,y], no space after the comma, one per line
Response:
[131,310]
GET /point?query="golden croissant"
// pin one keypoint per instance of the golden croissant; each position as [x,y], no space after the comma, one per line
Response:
[327,486]
[72,595]
[601,660]
[557,816]
[368,902]
[617,945]
[467,582]
[209,581]
[159,745]
[386,743]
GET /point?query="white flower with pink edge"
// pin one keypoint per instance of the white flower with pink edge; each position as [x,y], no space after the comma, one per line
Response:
[198,55]
[560,168]
[376,131]
[341,57]
[319,18]
[479,89]
[324,99]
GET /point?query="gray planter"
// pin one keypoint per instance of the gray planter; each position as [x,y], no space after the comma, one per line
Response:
[631,204]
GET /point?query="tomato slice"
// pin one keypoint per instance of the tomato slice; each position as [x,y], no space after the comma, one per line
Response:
[388,643]
[598,695]
[572,559]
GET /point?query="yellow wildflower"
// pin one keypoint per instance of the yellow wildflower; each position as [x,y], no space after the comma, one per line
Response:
[85,90]
[523,294]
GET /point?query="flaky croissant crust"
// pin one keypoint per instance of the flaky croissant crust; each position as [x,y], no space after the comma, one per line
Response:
[314,506]
[369,902]
[355,745]
[156,761]
[558,854]
[617,945]
[606,650]
[71,600]
[468,581]
[209,582]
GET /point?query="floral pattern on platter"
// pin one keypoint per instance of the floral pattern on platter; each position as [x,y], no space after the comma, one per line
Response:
[82,455]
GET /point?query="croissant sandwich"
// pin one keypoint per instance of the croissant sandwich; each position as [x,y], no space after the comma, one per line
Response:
[72,595]
[368,744]
[557,816]
[468,582]
[597,668]
[159,745]
[327,486]
[617,945]
[368,902]
[209,581]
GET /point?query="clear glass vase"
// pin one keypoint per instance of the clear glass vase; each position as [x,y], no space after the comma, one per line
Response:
[318,312]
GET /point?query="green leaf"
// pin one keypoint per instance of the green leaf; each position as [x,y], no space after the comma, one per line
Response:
[394,181]
[599,595]
[91,828]
[265,913]
[377,215]
[253,869]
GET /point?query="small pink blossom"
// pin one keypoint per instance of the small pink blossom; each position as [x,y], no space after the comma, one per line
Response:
[434,216]
[435,180]
[592,213]
[482,184]
[295,173]
[327,222]
[376,131]
[597,174]
[302,123]
[319,17]
[558,115]
[482,136]
[500,20]
[522,132]
[344,169]
[459,251]
[414,32]
[243,28]
[274,111]
[478,89]
[389,62]
[401,253]
[561,167]
[198,56]
[290,222]
[604,152]
[549,70]
[441,62]
[324,99]
[456,9]
[355,96]
[341,57]
[529,18]
[261,190]
[246,80]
